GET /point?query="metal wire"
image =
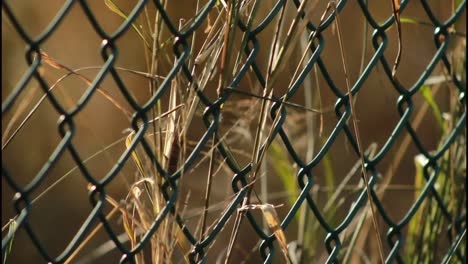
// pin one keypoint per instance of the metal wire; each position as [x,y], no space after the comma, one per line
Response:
[140,123]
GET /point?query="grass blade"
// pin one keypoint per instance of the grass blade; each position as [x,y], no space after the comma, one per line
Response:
[114,8]
[428,96]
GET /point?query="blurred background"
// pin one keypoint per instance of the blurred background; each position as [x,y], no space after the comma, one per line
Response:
[61,203]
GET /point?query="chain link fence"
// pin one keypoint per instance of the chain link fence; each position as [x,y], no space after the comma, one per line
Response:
[176,159]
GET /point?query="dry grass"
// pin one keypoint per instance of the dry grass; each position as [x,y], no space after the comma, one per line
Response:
[246,132]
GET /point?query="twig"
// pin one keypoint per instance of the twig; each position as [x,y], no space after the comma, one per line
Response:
[356,131]
[208,188]
[396,15]
[298,106]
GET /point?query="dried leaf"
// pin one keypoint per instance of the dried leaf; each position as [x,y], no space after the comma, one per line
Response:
[135,156]
[171,147]
[53,63]
[272,219]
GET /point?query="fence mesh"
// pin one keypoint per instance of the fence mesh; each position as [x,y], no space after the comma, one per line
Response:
[213,106]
